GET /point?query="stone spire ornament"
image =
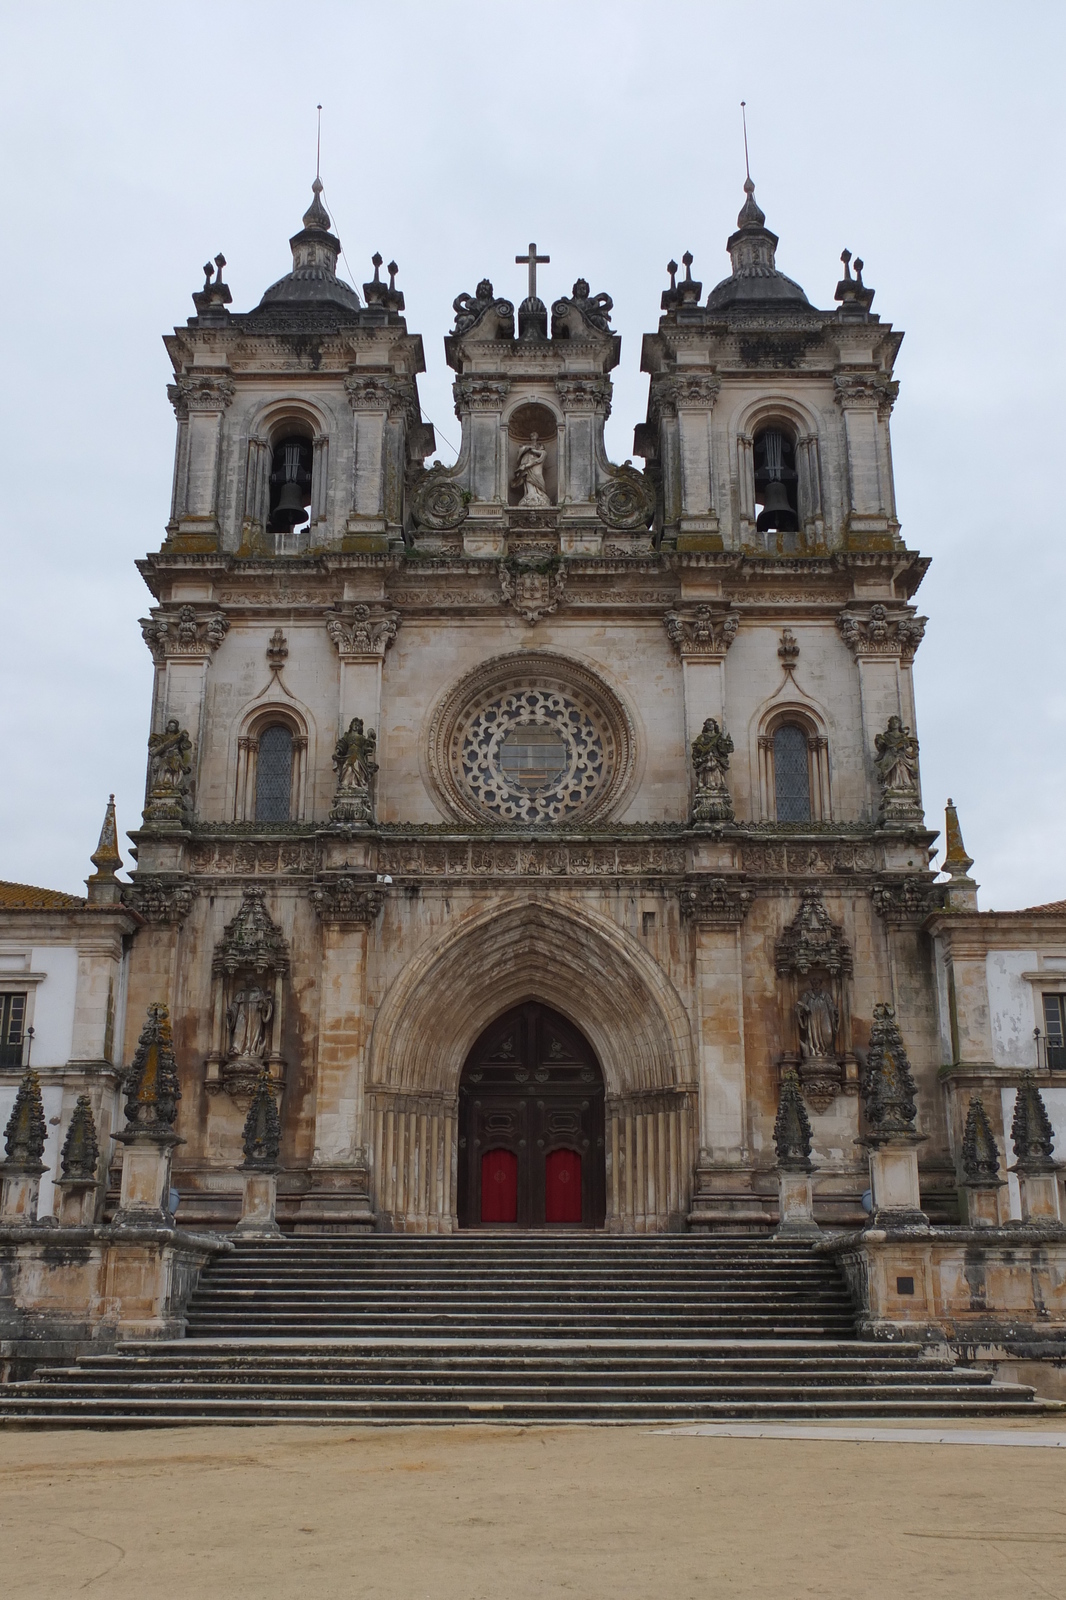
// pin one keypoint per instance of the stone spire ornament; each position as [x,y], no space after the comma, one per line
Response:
[981,1181]
[262,1129]
[78,1166]
[152,1089]
[792,1141]
[888,1087]
[104,888]
[1035,1167]
[960,892]
[24,1139]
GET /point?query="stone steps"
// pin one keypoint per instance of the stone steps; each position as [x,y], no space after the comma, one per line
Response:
[515,1329]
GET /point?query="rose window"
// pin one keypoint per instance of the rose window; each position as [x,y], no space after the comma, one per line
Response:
[537,740]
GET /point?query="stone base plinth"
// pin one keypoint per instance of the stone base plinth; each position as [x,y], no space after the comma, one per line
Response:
[77,1202]
[337,1202]
[99,1283]
[20,1188]
[258,1219]
[796,1207]
[724,1200]
[1041,1201]
[981,1204]
[897,1200]
[982,1284]
[143,1198]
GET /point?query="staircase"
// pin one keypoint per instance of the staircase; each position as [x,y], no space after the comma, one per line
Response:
[526,1328]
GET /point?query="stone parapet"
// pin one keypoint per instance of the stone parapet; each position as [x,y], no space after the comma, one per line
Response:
[982,1285]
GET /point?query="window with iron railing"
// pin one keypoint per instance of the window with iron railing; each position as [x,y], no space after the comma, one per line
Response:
[12,1030]
[1055,1031]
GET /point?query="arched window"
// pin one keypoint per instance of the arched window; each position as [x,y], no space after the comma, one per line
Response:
[273,775]
[792,773]
[776,480]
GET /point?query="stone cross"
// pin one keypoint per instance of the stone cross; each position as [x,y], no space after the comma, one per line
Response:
[531,261]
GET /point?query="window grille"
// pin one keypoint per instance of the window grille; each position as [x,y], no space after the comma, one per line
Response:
[1055,1030]
[273,776]
[12,1030]
[792,774]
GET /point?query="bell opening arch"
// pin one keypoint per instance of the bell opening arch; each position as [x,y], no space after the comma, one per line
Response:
[605,987]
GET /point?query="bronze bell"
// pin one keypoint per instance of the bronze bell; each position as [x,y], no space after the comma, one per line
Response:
[290,506]
[776,511]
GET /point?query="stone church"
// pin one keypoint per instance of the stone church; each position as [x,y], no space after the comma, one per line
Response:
[527,818]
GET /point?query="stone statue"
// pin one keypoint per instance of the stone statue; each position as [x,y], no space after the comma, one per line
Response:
[169,768]
[248,1017]
[711,750]
[897,772]
[354,764]
[529,473]
[819,1018]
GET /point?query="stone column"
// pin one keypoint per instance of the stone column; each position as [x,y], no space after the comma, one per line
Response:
[340,1198]
[362,634]
[200,400]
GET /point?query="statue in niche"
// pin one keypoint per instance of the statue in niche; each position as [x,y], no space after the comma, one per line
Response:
[169,768]
[529,473]
[897,756]
[354,764]
[818,1017]
[248,1018]
[711,750]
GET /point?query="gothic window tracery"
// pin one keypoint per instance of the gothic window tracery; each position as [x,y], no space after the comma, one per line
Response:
[273,777]
[794,768]
[271,768]
[792,778]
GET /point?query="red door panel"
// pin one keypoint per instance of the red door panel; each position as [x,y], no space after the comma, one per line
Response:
[499,1186]
[562,1187]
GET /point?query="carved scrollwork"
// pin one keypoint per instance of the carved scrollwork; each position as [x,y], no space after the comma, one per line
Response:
[627,500]
[906,900]
[357,631]
[206,392]
[185,632]
[879,632]
[534,591]
[702,631]
[438,501]
[470,309]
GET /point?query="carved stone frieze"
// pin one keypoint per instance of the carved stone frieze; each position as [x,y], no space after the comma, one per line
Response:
[715,902]
[804,859]
[702,630]
[352,900]
[445,597]
[165,901]
[185,632]
[251,858]
[356,630]
[534,591]
[531,858]
[877,632]
[626,501]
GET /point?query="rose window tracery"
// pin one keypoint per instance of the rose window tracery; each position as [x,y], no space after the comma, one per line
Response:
[537,741]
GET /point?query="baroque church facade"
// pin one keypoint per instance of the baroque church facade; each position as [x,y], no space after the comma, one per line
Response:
[525,820]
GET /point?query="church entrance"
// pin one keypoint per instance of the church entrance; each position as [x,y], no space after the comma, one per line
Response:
[531,1146]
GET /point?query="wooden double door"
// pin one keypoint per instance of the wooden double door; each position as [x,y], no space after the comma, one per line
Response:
[531,1147]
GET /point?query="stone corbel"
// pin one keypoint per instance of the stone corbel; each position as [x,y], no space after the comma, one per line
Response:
[188,633]
[702,632]
[161,901]
[878,634]
[348,901]
[360,634]
[715,902]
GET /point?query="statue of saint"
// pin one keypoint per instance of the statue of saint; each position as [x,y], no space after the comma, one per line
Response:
[168,754]
[529,473]
[819,1019]
[711,750]
[353,759]
[897,757]
[248,1018]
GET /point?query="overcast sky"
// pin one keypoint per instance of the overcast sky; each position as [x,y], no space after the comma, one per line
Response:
[141,139]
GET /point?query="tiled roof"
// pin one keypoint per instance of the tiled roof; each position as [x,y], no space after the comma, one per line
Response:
[1054,908]
[16,896]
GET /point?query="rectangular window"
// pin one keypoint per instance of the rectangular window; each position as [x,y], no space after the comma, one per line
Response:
[12,1030]
[1055,1030]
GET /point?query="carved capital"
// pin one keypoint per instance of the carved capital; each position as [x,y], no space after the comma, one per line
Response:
[479,394]
[207,391]
[184,632]
[358,631]
[865,391]
[907,900]
[877,632]
[715,902]
[349,900]
[696,393]
[584,394]
[702,630]
[368,392]
[165,901]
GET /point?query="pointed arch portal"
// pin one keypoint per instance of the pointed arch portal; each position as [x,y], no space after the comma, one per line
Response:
[531,1131]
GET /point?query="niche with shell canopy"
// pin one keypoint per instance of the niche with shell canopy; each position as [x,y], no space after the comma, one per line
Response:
[532,456]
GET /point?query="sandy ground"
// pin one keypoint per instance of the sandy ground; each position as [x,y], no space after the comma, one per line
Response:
[487,1514]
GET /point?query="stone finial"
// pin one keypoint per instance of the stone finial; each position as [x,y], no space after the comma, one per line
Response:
[316,216]
[888,1087]
[855,298]
[103,886]
[262,1128]
[26,1131]
[152,1090]
[792,1127]
[960,892]
[1030,1130]
[81,1148]
[980,1158]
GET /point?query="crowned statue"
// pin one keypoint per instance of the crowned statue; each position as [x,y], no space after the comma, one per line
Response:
[711,750]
